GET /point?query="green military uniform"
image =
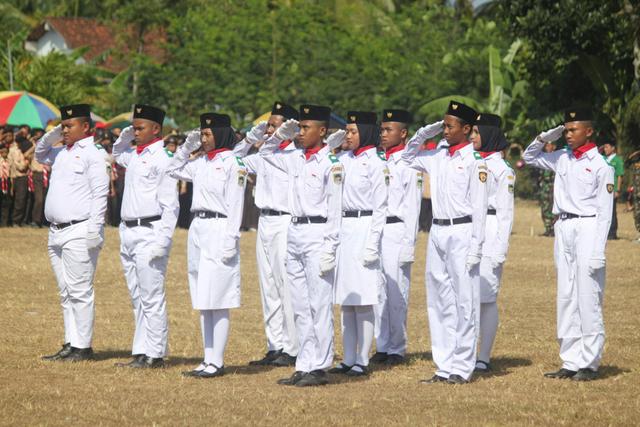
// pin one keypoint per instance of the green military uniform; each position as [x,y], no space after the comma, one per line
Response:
[545,196]
[617,164]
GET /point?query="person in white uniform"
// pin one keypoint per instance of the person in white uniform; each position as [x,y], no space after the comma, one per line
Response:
[458,178]
[398,240]
[219,179]
[149,214]
[582,198]
[489,140]
[271,242]
[364,209]
[75,206]
[315,203]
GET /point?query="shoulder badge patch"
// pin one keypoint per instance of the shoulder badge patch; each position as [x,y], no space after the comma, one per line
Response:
[169,153]
[333,158]
[483,177]
[420,179]
[242,177]
[239,161]
[610,188]
[511,188]
[477,155]
[387,177]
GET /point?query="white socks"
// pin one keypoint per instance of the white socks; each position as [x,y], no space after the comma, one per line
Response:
[488,329]
[357,333]
[215,332]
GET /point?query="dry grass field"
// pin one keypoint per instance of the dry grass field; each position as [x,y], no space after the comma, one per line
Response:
[36,392]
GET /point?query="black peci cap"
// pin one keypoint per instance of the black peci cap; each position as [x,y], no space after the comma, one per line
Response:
[284,110]
[362,117]
[148,112]
[487,119]
[401,116]
[462,111]
[74,111]
[315,112]
[214,120]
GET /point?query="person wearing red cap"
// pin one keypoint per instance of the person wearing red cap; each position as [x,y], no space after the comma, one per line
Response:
[149,214]
[458,178]
[582,199]
[315,203]
[271,242]
[219,179]
[489,140]
[75,206]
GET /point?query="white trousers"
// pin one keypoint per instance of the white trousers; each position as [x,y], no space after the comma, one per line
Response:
[271,254]
[391,312]
[452,300]
[145,280]
[311,296]
[580,322]
[214,325]
[74,267]
[357,333]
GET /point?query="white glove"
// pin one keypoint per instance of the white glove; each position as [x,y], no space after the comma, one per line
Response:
[287,130]
[228,255]
[551,134]
[53,136]
[406,255]
[426,132]
[370,257]
[596,264]
[327,263]
[336,139]
[497,261]
[472,261]
[256,134]
[192,143]
[157,251]
[94,240]
[127,135]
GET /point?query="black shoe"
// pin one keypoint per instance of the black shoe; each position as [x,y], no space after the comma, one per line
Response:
[394,359]
[147,362]
[284,359]
[456,379]
[293,379]
[313,379]
[61,354]
[561,374]
[79,355]
[194,372]
[585,374]
[378,358]
[482,367]
[217,373]
[340,369]
[267,359]
[136,359]
[434,379]
[359,371]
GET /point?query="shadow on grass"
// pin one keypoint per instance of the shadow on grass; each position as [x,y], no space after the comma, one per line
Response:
[345,379]
[609,371]
[502,366]
[111,354]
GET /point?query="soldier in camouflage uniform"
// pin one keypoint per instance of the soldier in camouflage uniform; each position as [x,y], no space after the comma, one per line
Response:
[545,195]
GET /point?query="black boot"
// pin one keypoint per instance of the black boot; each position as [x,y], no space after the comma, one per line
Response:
[61,354]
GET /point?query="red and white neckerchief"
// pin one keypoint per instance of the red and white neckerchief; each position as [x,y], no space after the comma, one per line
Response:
[453,149]
[213,153]
[393,149]
[311,151]
[140,148]
[485,154]
[361,150]
[579,152]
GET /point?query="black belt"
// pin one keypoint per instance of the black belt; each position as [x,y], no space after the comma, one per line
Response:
[141,222]
[308,219]
[271,212]
[208,214]
[454,221]
[566,215]
[393,219]
[356,214]
[491,211]
[62,225]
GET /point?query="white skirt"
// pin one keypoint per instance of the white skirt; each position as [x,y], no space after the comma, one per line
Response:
[213,285]
[356,284]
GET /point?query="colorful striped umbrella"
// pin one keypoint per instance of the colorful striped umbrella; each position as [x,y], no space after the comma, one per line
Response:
[17,108]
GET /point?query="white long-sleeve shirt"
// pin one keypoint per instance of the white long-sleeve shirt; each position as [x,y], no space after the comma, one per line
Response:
[315,186]
[582,186]
[457,183]
[365,188]
[269,179]
[79,183]
[405,192]
[500,188]
[148,190]
[218,186]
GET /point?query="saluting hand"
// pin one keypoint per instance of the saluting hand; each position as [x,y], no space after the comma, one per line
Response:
[287,130]
[336,139]
[127,135]
[427,132]
[256,134]
[193,142]
[551,135]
